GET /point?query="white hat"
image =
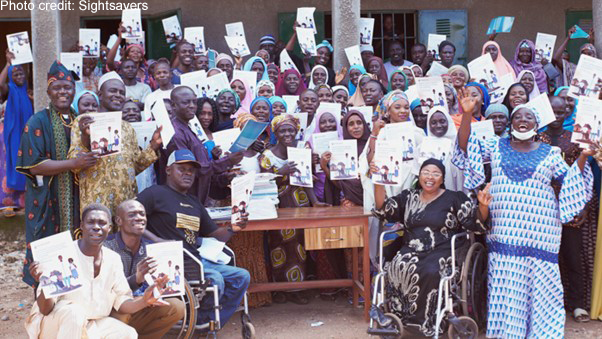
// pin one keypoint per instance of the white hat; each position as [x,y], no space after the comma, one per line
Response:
[108,76]
[366,48]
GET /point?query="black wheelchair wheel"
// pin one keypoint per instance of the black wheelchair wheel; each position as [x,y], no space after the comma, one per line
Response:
[474,284]
[248,330]
[190,315]
[466,328]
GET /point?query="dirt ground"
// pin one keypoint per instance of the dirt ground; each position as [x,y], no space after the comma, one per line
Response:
[338,318]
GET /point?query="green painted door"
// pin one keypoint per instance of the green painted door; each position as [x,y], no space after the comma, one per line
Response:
[157,46]
[584,20]
[285,28]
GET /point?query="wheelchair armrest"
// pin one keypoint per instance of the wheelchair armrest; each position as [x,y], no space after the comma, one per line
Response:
[196,260]
[381,241]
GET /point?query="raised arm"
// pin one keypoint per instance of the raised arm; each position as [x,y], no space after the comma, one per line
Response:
[290,45]
[113,51]
[4,75]
[468,104]
[557,58]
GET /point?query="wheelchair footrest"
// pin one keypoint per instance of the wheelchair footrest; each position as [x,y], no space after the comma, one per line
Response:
[383,331]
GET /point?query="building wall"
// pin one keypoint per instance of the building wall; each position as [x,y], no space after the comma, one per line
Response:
[261,17]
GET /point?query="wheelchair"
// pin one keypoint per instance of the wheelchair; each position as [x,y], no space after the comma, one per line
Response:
[194,292]
[461,301]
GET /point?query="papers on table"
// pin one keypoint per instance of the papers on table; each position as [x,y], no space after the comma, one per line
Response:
[354,55]
[59,264]
[367,112]
[215,84]
[73,62]
[301,176]
[501,24]
[303,122]
[173,30]
[434,41]
[235,38]
[131,19]
[579,33]
[587,79]
[89,42]
[105,133]
[144,132]
[431,93]
[226,138]
[387,160]
[286,62]
[291,102]
[218,213]
[213,250]
[588,122]
[19,46]
[242,188]
[248,135]
[403,134]
[305,18]
[197,128]
[161,118]
[544,46]
[366,28]
[197,81]
[307,41]
[264,198]
[250,77]
[169,256]
[541,104]
[196,36]
[344,160]
[484,72]
[436,69]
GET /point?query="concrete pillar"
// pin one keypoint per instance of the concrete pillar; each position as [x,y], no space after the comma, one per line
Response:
[46,48]
[345,29]
[597,24]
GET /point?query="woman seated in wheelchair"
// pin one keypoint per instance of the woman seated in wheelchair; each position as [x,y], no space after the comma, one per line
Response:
[430,216]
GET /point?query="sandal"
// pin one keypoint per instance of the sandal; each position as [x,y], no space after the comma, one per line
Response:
[9,212]
[297,298]
[581,315]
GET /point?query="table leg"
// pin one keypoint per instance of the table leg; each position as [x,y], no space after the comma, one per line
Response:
[366,269]
[355,274]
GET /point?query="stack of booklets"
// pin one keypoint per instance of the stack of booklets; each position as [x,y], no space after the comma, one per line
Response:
[264,198]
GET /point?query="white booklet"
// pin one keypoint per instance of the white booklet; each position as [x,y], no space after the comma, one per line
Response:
[170,262]
[587,79]
[388,159]
[213,250]
[307,41]
[505,82]
[195,80]
[431,93]
[196,36]
[250,77]
[225,138]
[333,108]
[286,62]
[235,29]
[291,102]
[403,133]
[302,175]
[172,28]
[161,118]
[19,46]
[303,123]
[214,84]
[434,40]
[437,148]
[238,45]
[89,42]
[484,72]
[138,41]
[242,188]
[544,46]
[105,133]
[344,160]
[588,122]
[483,129]
[321,143]
[305,18]
[367,112]
[144,132]
[354,55]
[59,264]
[195,126]
[437,69]
[73,62]
[366,28]
[131,19]
[542,105]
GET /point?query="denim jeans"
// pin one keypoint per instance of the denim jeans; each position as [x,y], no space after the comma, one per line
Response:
[232,283]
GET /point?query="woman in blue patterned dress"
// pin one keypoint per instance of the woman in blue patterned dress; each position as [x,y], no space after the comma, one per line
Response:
[525,290]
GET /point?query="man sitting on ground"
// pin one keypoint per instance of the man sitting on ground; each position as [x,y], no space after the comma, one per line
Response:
[131,246]
[85,312]
[173,214]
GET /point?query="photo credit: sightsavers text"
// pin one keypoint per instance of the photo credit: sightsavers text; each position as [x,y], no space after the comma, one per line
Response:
[92,6]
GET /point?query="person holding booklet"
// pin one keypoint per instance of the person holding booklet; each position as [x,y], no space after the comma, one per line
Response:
[130,245]
[565,65]
[134,52]
[524,59]
[113,178]
[184,60]
[174,214]
[502,65]
[86,312]
[51,202]
[162,74]
[479,93]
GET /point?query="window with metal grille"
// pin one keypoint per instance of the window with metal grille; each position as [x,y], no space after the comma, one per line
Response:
[388,26]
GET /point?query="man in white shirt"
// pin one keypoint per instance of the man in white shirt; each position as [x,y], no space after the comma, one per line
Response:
[85,312]
[133,88]
[396,59]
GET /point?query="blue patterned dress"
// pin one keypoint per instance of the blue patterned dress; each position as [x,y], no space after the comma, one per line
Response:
[525,290]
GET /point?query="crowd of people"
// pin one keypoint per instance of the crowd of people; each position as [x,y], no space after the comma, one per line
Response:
[530,190]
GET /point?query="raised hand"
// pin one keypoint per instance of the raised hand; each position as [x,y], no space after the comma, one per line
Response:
[159,285]
[484,197]
[467,102]
[288,168]
[572,30]
[340,76]
[492,36]
[156,141]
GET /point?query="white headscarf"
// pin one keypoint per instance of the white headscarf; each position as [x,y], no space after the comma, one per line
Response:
[535,92]
[451,127]
[311,76]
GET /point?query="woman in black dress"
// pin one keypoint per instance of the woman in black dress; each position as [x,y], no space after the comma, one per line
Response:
[431,215]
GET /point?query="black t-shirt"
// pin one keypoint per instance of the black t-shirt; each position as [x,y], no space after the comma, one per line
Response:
[175,216]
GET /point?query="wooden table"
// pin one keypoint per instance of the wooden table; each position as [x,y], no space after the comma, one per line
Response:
[321,217]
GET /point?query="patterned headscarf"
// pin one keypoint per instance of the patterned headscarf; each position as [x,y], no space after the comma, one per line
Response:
[530,108]
[589,47]
[242,119]
[58,71]
[388,100]
[405,78]
[223,56]
[285,119]
[484,93]
[265,83]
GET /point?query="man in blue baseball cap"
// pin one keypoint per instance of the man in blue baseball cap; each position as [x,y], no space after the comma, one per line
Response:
[173,214]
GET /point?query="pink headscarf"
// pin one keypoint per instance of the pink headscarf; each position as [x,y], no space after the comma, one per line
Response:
[281,87]
[382,77]
[501,64]
[317,128]
[245,104]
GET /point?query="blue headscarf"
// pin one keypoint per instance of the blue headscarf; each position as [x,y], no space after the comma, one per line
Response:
[250,63]
[269,128]
[274,98]
[414,104]
[351,86]
[79,95]
[326,44]
[570,120]
[483,90]
[18,110]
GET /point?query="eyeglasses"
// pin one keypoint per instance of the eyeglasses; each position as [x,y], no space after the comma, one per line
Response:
[435,175]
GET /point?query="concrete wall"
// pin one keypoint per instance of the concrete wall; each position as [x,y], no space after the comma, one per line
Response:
[261,17]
